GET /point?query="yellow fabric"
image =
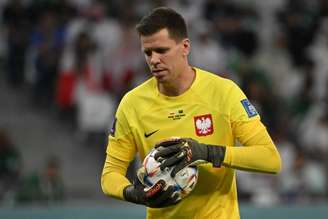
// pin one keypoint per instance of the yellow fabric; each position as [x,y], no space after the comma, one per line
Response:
[114,169]
[259,155]
[145,110]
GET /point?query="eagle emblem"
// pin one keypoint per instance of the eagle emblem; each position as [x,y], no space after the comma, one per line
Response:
[203,125]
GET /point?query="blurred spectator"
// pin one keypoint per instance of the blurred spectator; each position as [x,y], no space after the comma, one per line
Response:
[300,24]
[63,8]
[47,41]
[84,47]
[87,67]
[189,9]
[285,77]
[207,53]
[217,8]
[289,185]
[293,186]
[29,190]
[89,46]
[121,75]
[319,53]
[257,87]
[314,129]
[234,24]
[65,11]
[52,184]
[81,5]
[46,187]
[15,19]
[323,8]
[314,139]
[315,179]
[10,166]
[303,101]
[79,92]
[257,189]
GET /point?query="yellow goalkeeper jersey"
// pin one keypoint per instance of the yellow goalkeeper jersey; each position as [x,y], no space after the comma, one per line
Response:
[214,111]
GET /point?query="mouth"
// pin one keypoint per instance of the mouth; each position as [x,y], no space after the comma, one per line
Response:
[157,72]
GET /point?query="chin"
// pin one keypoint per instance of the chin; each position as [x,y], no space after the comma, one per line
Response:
[160,79]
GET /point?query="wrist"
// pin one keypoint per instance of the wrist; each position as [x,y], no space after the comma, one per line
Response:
[129,194]
[215,154]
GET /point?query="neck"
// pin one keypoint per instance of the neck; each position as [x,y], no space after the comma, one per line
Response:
[181,84]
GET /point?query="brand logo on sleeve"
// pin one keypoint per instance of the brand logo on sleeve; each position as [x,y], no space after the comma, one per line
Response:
[203,125]
[249,108]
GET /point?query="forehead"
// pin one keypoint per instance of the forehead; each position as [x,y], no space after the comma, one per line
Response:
[158,39]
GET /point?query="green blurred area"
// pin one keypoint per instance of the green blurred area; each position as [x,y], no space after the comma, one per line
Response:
[126,211]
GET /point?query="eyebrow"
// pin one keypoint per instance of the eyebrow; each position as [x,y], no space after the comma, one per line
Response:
[156,49]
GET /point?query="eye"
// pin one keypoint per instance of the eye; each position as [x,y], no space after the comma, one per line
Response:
[161,50]
[147,52]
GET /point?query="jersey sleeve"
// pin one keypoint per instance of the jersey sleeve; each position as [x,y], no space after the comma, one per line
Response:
[120,142]
[120,151]
[258,152]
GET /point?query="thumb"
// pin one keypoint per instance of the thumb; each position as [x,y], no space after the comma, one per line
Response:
[155,189]
[141,173]
[177,168]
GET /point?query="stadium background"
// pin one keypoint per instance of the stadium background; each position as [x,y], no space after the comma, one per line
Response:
[64,65]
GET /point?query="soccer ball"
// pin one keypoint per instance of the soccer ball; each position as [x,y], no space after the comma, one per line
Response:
[183,182]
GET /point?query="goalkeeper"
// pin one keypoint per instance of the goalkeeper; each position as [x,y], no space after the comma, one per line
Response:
[208,112]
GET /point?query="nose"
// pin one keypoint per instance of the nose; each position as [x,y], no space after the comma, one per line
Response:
[154,59]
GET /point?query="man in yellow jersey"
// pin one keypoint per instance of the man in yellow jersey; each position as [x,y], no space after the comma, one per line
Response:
[207,112]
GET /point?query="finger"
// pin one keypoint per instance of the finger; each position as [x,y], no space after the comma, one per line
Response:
[174,160]
[168,142]
[176,197]
[167,152]
[178,167]
[161,198]
[173,200]
[157,188]
[141,173]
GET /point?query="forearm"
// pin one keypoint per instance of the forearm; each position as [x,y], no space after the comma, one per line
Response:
[259,155]
[113,180]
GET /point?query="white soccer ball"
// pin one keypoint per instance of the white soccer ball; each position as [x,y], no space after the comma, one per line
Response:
[183,182]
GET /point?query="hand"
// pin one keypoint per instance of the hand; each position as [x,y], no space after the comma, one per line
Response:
[183,152]
[157,196]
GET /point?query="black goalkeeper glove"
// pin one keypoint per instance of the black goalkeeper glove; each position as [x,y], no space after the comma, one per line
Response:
[183,152]
[157,196]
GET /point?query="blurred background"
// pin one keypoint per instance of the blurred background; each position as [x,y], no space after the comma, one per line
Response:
[65,64]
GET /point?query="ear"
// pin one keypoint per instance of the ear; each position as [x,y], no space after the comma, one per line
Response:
[186,47]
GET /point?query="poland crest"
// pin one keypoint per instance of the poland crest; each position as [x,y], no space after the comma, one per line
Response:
[203,125]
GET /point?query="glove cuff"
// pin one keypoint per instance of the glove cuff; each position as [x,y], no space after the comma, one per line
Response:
[129,194]
[216,154]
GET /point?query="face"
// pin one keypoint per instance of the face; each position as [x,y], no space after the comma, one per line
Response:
[165,57]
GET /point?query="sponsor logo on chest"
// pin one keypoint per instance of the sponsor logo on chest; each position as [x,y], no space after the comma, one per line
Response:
[176,115]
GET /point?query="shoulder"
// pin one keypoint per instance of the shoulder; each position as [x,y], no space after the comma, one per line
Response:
[215,82]
[139,95]
[219,92]
[146,88]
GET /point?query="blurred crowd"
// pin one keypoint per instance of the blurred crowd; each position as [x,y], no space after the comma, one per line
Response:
[80,56]
[39,187]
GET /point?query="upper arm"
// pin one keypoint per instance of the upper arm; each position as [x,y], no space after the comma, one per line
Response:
[121,143]
[121,150]
[244,118]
